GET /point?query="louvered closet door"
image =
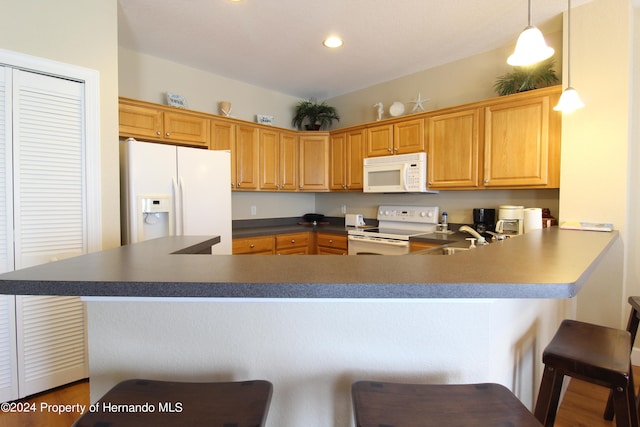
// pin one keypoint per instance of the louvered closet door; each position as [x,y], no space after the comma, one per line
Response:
[8,356]
[50,224]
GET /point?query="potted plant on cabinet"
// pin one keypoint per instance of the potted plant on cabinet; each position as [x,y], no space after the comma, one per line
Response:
[527,78]
[314,115]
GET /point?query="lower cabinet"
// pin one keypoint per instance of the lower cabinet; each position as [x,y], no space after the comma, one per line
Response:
[293,243]
[259,245]
[331,244]
[418,246]
[301,243]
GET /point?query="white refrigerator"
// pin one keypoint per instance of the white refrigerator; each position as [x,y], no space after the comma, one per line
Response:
[168,190]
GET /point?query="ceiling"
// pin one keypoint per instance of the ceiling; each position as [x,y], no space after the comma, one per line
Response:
[277,44]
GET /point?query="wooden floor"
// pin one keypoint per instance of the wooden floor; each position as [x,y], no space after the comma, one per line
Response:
[582,406]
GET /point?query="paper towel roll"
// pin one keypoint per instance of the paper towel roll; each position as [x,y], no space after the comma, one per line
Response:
[532,219]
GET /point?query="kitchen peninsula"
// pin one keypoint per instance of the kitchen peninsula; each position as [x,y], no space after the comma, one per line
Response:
[314,324]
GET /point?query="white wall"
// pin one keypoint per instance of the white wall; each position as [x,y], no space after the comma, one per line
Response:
[82,33]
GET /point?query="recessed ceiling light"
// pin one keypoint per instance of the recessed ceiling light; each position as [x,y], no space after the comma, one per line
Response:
[333,42]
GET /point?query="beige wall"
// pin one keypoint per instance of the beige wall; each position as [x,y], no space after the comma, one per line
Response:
[468,80]
[82,33]
[596,143]
[149,78]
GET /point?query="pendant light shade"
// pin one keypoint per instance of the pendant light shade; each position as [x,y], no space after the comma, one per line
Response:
[569,100]
[531,46]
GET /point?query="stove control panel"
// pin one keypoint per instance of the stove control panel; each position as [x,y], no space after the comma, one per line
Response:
[417,214]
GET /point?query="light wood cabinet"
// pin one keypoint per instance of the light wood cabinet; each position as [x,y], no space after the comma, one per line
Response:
[314,161]
[507,142]
[259,245]
[346,160]
[402,137]
[278,163]
[154,122]
[246,158]
[418,246]
[453,147]
[293,243]
[521,142]
[331,244]
[223,137]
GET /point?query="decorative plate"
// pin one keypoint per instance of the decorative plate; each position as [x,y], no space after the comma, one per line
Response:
[396,109]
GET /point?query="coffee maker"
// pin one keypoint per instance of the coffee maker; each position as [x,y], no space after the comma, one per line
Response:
[510,220]
[484,219]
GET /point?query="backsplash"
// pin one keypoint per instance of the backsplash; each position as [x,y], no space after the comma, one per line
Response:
[458,204]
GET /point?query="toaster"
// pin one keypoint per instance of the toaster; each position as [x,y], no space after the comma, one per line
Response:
[354,220]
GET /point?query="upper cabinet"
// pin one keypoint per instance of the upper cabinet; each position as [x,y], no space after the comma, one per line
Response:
[278,164]
[402,137]
[507,142]
[346,160]
[314,161]
[159,123]
[453,149]
[521,143]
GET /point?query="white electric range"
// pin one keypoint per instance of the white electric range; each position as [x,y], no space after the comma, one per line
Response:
[396,224]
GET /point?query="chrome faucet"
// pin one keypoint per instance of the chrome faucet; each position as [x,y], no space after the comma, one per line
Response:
[481,240]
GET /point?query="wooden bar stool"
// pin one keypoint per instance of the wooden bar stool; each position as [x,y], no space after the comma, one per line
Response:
[378,404]
[224,404]
[592,353]
[632,328]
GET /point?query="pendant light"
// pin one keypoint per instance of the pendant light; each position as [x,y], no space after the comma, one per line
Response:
[530,47]
[570,100]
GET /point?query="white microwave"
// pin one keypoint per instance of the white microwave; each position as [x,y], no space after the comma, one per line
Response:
[404,173]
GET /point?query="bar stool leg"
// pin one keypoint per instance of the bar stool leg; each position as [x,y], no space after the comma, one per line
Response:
[632,327]
[549,396]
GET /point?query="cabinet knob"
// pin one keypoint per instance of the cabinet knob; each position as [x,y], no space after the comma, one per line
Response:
[486,181]
[330,241]
[293,241]
[389,150]
[395,149]
[252,246]
[168,134]
[158,133]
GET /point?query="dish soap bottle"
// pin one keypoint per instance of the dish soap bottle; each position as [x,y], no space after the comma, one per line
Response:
[445,221]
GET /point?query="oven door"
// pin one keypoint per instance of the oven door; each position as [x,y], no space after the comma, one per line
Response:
[363,246]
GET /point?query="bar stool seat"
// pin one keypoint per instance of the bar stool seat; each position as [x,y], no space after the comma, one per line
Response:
[382,404]
[592,353]
[214,404]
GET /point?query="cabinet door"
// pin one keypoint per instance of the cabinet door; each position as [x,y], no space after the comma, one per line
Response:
[379,141]
[288,161]
[516,143]
[186,128]
[337,161]
[247,158]
[453,160]
[355,146]
[140,121]
[408,136]
[269,159]
[314,162]
[223,137]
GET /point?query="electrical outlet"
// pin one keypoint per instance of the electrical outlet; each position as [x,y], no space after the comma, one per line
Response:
[343,208]
[253,210]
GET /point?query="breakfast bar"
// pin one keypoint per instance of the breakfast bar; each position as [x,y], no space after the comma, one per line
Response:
[312,325]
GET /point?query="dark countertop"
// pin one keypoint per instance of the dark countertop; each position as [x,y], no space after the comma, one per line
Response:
[548,263]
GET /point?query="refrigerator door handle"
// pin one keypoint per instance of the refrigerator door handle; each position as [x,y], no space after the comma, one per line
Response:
[177,206]
[182,204]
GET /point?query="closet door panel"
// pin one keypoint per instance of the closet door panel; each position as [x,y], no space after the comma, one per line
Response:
[50,224]
[48,169]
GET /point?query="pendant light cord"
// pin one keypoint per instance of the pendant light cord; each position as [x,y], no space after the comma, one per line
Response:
[569,44]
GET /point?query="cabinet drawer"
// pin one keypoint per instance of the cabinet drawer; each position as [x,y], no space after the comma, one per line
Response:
[292,240]
[327,240]
[249,245]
